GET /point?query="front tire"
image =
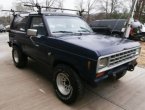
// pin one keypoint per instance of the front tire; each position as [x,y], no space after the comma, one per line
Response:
[19,58]
[68,86]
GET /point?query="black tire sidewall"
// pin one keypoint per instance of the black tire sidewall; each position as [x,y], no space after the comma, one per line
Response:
[72,96]
[22,59]
[15,49]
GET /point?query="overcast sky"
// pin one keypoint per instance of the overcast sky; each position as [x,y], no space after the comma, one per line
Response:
[7,4]
[70,4]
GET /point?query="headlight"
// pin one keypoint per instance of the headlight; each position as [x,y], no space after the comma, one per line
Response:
[103,63]
[137,51]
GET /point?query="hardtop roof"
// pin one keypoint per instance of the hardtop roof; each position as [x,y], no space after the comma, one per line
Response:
[50,14]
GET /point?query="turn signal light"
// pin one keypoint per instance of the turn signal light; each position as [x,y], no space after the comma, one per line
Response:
[100,74]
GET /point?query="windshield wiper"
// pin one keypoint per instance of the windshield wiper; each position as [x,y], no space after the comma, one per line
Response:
[62,32]
[84,30]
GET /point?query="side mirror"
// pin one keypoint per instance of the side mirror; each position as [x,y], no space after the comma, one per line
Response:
[32,32]
[7,28]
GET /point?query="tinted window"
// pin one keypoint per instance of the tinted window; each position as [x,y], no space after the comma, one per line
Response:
[37,23]
[20,23]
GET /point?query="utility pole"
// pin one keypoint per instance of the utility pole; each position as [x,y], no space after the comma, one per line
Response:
[128,25]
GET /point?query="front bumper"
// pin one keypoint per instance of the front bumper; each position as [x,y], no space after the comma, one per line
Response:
[128,66]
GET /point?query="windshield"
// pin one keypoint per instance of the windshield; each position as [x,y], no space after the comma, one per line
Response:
[67,25]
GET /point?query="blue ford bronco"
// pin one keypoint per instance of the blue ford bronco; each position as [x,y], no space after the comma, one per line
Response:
[68,46]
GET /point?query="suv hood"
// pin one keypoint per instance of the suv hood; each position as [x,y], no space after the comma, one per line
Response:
[101,44]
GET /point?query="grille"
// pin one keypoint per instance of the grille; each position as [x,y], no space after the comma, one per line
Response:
[122,57]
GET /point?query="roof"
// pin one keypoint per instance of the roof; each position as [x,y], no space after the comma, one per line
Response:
[53,14]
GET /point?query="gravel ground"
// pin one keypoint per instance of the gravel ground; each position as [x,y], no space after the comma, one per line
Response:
[141,59]
[3,38]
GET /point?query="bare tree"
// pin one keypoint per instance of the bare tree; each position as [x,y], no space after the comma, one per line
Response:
[114,6]
[80,5]
[104,6]
[111,7]
[88,6]
[60,3]
[91,5]
[139,9]
[51,3]
[19,5]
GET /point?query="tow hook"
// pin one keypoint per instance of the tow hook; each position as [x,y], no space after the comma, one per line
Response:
[130,68]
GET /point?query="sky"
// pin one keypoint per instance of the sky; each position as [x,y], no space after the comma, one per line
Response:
[7,4]
[70,4]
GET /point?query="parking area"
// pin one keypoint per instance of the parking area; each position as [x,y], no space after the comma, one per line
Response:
[31,89]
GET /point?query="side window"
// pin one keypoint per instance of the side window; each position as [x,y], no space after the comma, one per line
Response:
[37,23]
[20,23]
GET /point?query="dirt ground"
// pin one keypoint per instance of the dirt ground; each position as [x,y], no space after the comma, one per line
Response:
[141,59]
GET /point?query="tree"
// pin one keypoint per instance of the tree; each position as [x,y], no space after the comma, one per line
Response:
[91,5]
[114,8]
[88,6]
[104,6]
[80,5]
[19,5]
[60,3]
[139,9]
[53,3]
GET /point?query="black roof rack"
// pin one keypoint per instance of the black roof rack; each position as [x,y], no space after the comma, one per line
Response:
[14,12]
[40,8]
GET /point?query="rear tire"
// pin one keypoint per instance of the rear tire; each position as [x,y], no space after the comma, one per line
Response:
[67,84]
[19,58]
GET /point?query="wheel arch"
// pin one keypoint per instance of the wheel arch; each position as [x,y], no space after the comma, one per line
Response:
[57,62]
[17,45]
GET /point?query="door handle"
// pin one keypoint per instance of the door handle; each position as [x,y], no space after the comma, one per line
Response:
[34,43]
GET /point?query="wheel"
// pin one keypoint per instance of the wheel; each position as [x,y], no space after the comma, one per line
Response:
[19,58]
[142,39]
[68,86]
[117,76]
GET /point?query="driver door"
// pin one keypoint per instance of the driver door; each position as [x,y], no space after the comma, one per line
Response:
[38,42]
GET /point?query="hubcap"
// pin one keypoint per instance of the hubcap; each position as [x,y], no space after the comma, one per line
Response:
[16,59]
[63,84]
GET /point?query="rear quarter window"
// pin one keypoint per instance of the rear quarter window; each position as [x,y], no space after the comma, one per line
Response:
[19,23]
